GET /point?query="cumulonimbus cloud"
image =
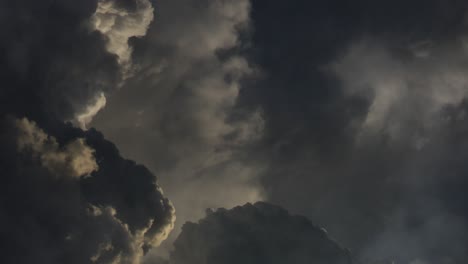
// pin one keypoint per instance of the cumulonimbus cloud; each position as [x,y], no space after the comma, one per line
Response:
[67,195]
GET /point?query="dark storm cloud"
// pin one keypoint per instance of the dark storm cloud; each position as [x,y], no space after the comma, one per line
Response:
[259,233]
[53,62]
[353,112]
[111,214]
[355,97]
[67,195]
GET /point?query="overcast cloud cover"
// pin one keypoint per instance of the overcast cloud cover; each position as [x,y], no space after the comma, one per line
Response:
[350,113]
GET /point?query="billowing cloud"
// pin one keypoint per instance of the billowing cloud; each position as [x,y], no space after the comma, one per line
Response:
[181,107]
[53,62]
[259,233]
[84,54]
[345,121]
[113,215]
[119,23]
[364,106]
[352,113]
[75,160]
[67,195]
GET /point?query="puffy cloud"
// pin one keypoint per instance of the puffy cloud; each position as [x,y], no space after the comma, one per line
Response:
[75,160]
[374,149]
[114,215]
[67,195]
[259,233]
[193,112]
[54,62]
[66,56]
[119,23]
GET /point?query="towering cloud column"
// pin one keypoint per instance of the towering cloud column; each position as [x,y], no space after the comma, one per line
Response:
[67,195]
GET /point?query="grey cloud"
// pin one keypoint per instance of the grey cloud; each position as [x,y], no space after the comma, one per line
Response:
[75,160]
[63,55]
[53,63]
[180,107]
[352,112]
[119,24]
[114,215]
[194,109]
[374,152]
[83,118]
[418,101]
[259,233]
[406,91]
[391,193]
[67,195]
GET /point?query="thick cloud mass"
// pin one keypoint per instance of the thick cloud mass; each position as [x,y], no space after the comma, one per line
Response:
[51,215]
[259,233]
[52,62]
[352,113]
[66,195]
[181,106]
[364,114]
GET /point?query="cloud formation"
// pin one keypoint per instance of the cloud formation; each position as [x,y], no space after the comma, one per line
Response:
[406,91]
[344,112]
[364,105]
[350,112]
[53,63]
[113,215]
[119,23]
[181,107]
[67,195]
[86,116]
[75,160]
[259,233]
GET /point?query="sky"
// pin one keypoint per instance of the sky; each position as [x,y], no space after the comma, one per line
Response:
[234,131]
